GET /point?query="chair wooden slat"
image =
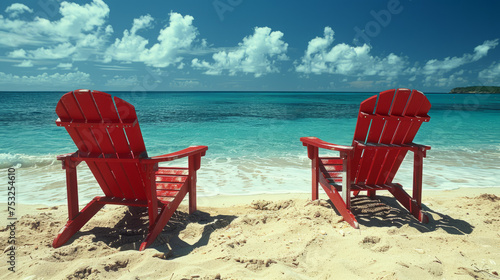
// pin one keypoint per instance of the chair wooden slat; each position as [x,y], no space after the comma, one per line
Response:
[171,179]
[383,159]
[418,105]
[134,186]
[172,171]
[68,109]
[361,131]
[367,167]
[127,113]
[384,133]
[168,186]
[166,193]
[108,137]
[117,171]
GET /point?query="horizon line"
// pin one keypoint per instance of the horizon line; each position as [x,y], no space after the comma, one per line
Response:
[201,91]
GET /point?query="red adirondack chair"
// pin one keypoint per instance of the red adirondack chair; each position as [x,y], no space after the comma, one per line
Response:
[384,133]
[109,140]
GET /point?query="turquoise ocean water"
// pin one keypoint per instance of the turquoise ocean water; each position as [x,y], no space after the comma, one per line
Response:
[253,139]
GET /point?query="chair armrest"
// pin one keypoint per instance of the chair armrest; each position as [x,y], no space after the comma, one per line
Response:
[406,147]
[418,146]
[316,142]
[64,156]
[191,151]
[70,160]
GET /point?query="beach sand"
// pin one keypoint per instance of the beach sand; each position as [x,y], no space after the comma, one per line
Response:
[268,237]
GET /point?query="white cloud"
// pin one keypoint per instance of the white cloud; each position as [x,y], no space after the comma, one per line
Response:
[76,21]
[131,45]
[434,66]
[184,83]
[120,81]
[109,67]
[80,32]
[45,80]
[25,63]
[66,66]
[321,57]
[18,54]
[453,80]
[56,52]
[257,54]
[142,23]
[482,50]
[174,39]
[16,9]
[11,39]
[178,36]
[491,74]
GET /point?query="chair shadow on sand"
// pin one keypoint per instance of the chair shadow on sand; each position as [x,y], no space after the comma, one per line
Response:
[130,231]
[184,233]
[384,211]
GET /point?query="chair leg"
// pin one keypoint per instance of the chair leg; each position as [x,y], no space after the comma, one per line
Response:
[340,205]
[150,177]
[346,179]
[192,193]
[412,205]
[194,165]
[76,223]
[156,226]
[418,163]
[371,194]
[71,187]
[315,177]
[312,153]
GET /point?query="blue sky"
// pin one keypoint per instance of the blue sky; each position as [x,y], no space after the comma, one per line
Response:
[248,45]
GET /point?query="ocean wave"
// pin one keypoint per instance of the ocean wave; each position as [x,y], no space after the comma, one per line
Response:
[44,182]
[8,160]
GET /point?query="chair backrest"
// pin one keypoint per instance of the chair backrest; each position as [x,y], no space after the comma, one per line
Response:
[392,118]
[103,128]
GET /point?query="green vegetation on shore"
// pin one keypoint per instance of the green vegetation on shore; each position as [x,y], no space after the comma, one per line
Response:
[476,89]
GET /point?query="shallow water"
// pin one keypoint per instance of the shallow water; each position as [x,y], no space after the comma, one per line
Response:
[253,139]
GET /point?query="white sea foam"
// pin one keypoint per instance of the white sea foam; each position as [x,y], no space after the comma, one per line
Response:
[21,160]
[45,183]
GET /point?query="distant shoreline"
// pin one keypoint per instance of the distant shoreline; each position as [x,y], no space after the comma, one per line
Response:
[476,89]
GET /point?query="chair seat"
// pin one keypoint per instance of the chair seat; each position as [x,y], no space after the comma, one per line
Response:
[169,181]
[362,187]
[331,169]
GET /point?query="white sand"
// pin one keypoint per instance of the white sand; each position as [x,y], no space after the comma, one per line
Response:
[269,237]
